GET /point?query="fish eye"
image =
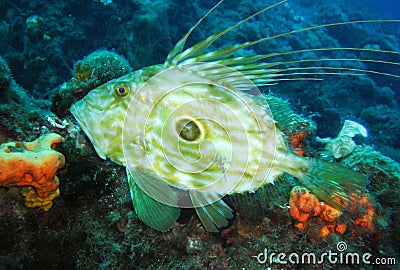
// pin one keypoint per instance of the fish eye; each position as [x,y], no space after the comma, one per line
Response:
[188,130]
[122,90]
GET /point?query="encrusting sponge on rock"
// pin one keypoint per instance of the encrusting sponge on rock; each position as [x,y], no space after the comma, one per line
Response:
[33,165]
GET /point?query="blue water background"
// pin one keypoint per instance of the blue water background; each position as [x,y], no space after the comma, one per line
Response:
[388,7]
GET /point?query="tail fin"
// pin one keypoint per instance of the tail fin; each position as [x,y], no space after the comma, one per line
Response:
[334,183]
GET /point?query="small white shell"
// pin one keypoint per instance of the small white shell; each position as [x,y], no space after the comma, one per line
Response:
[351,129]
[341,147]
[343,144]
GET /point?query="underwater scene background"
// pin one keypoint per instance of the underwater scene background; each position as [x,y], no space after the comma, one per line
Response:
[53,53]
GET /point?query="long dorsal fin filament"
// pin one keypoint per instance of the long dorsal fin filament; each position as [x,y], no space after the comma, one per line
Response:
[178,48]
[176,56]
[256,68]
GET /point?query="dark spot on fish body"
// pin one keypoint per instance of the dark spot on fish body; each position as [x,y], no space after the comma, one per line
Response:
[188,130]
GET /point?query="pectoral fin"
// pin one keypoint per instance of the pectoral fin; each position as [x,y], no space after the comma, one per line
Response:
[213,212]
[155,214]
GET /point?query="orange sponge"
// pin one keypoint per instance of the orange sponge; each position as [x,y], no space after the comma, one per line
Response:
[304,206]
[34,165]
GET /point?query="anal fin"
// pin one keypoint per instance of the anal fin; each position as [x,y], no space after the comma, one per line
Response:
[213,212]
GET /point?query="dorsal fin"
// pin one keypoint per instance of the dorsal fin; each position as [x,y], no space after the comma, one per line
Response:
[201,46]
[178,48]
[193,54]
[254,67]
[263,73]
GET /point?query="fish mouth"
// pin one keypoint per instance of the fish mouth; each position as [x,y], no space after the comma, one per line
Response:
[90,123]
